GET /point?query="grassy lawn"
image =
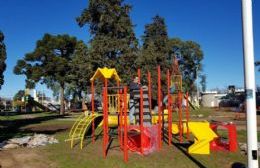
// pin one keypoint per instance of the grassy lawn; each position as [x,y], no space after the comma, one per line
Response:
[12,117]
[91,154]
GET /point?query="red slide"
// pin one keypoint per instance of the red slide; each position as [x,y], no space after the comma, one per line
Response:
[149,139]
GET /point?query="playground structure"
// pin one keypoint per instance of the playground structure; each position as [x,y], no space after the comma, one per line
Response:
[29,104]
[151,126]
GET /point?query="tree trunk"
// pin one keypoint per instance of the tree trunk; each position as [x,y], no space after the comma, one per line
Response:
[62,107]
[84,107]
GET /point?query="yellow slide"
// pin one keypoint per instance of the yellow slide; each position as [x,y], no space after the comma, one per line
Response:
[202,133]
[81,126]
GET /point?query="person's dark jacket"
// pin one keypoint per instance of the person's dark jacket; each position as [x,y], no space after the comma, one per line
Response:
[133,87]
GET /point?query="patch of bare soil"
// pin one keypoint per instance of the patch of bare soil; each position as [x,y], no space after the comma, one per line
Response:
[24,158]
[47,129]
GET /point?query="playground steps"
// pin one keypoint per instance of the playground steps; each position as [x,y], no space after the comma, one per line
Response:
[81,126]
[146,111]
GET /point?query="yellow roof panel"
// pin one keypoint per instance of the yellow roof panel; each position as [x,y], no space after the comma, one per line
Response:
[105,73]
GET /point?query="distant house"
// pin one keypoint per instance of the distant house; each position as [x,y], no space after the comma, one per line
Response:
[232,98]
[211,98]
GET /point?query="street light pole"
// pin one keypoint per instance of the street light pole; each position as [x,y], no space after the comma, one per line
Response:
[249,76]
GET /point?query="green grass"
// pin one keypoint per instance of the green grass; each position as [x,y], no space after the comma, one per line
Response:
[241,135]
[91,154]
[22,116]
[204,111]
[15,117]
[194,114]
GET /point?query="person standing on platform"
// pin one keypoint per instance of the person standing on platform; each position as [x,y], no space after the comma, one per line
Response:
[133,87]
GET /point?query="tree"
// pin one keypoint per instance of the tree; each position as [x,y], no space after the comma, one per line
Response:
[49,62]
[257,63]
[2,59]
[190,56]
[19,95]
[203,82]
[155,44]
[113,42]
[23,68]
[155,50]
[81,71]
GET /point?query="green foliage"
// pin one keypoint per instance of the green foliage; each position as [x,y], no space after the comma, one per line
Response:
[114,43]
[65,64]
[81,67]
[257,63]
[2,59]
[191,55]
[23,68]
[203,82]
[54,86]
[158,49]
[156,34]
[19,95]
[155,51]
[155,48]
[49,62]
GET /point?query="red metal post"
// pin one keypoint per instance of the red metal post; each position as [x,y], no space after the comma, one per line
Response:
[105,118]
[149,91]
[118,110]
[120,120]
[232,136]
[125,125]
[159,109]
[139,75]
[93,110]
[187,116]
[141,119]
[104,126]
[180,116]
[169,109]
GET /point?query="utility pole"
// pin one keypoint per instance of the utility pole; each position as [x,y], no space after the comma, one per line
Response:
[249,77]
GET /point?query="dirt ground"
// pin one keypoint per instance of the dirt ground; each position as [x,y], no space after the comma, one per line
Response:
[28,157]
[24,158]
[239,119]
[47,129]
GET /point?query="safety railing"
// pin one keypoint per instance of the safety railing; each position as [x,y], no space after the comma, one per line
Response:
[114,103]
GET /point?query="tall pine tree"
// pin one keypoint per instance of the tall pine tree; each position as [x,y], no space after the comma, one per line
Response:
[113,42]
[155,51]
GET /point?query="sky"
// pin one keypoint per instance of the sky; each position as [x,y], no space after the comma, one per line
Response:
[215,25]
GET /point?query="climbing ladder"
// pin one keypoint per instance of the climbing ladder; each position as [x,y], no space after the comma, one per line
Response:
[81,126]
[147,119]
